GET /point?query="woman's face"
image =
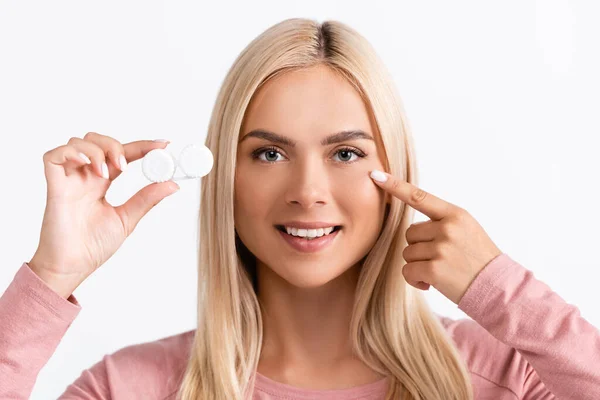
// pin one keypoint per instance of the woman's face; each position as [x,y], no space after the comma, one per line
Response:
[277,183]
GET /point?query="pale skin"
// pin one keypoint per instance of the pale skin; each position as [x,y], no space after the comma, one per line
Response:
[307,298]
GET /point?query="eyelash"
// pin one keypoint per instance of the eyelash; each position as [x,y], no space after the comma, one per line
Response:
[256,153]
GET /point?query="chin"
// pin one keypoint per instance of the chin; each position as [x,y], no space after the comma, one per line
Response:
[309,275]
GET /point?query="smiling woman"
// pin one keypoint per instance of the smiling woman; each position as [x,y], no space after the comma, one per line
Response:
[299,299]
[311,271]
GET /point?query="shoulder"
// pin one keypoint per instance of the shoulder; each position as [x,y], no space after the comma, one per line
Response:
[488,359]
[167,349]
[154,368]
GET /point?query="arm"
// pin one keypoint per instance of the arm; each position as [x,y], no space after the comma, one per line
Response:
[33,321]
[561,347]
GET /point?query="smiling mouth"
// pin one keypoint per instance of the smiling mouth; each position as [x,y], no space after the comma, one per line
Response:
[282,229]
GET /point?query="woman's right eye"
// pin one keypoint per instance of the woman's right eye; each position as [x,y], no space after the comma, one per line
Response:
[269,152]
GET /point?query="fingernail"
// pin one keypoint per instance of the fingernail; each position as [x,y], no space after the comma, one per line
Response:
[161,140]
[378,175]
[104,170]
[85,158]
[122,162]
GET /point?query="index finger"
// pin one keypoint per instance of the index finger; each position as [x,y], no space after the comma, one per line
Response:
[422,201]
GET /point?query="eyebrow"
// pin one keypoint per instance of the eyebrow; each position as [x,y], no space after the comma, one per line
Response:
[338,137]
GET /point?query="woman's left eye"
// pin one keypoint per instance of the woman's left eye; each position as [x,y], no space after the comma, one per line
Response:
[345,153]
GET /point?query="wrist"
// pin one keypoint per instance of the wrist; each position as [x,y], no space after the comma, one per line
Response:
[64,286]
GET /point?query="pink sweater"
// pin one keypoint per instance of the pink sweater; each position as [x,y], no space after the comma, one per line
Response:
[523,342]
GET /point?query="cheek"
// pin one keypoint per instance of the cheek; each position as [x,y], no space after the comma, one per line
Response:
[252,194]
[358,191]
[363,202]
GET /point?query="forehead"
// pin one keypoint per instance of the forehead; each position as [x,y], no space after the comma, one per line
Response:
[315,99]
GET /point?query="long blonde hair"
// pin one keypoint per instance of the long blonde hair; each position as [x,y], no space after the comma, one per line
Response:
[393,329]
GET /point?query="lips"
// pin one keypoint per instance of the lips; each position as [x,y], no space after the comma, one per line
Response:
[314,245]
[282,228]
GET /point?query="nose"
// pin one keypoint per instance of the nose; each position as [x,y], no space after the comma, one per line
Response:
[308,184]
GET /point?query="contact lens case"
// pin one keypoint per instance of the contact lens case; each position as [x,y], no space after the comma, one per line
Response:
[195,161]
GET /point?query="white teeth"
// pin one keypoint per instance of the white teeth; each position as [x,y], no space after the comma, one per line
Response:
[309,233]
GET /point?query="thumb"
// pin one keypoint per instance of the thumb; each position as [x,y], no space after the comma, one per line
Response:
[134,209]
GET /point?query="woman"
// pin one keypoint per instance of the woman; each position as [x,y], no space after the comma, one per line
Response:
[305,118]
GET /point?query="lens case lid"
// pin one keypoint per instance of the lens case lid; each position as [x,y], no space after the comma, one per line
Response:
[159,165]
[195,161]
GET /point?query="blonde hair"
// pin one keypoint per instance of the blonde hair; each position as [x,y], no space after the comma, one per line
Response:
[393,329]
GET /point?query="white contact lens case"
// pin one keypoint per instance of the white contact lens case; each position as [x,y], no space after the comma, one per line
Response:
[195,161]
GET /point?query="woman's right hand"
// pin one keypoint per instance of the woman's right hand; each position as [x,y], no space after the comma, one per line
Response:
[80,229]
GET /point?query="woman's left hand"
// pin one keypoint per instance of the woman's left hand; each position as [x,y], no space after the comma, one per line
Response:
[446,252]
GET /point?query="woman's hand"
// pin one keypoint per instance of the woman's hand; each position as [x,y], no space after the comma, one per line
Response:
[80,229]
[449,250]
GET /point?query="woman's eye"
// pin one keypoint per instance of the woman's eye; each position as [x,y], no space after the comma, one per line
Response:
[345,155]
[270,153]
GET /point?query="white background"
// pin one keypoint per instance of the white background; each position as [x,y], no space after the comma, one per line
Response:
[502,98]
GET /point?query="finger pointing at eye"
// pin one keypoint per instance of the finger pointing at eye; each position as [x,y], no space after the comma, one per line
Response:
[422,201]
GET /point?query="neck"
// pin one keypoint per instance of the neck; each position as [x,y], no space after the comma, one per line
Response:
[306,328]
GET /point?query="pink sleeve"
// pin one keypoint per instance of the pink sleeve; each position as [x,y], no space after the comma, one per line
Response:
[34,319]
[561,347]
